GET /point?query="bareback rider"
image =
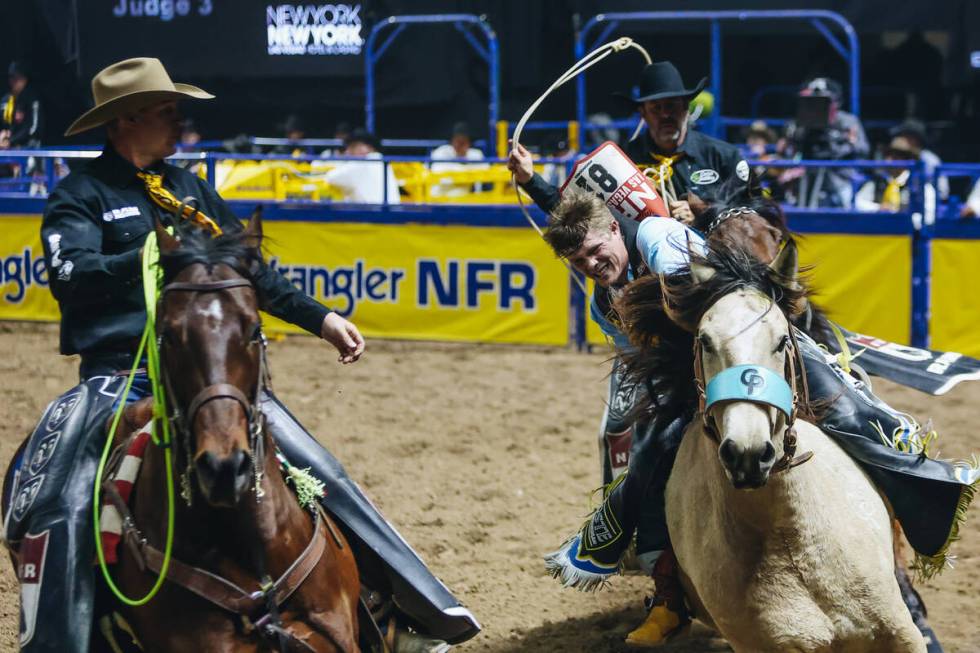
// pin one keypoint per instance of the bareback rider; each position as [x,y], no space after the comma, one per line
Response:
[693,167]
[927,496]
[94,227]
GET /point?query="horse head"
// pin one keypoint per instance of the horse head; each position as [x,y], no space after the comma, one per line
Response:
[212,358]
[745,362]
[729,320]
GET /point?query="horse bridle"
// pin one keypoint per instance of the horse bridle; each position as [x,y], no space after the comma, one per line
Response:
[184,423]
[781,394]
[258,610]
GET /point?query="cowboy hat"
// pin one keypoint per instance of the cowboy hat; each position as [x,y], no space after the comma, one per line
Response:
[659,81]
[131,85]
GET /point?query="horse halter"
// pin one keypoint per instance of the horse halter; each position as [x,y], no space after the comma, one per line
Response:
[183,423]
[759,385]
[725,215]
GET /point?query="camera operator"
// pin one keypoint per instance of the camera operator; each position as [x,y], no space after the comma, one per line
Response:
[823,131]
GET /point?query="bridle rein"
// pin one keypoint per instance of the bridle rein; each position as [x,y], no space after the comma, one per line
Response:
[757,384]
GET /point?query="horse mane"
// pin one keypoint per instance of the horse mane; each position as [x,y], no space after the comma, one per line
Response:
[813,321]
[660,315]
[236,250]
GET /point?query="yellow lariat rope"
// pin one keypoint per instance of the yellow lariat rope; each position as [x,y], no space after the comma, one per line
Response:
[169,202]
[662,174]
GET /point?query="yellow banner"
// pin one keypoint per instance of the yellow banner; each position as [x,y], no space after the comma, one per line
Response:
[863,282]
[429,282]
[24,287]
[954,310]
[398,281]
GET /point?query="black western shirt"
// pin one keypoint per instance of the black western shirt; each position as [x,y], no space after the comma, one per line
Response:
[95,222]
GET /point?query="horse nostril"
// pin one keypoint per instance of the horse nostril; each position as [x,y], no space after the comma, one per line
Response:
[728,453]
[243,463]
[768,455]
[207,466]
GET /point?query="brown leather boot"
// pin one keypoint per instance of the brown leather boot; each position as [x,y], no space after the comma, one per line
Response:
[667,618]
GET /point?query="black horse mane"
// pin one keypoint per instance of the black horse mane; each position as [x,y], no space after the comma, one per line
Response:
[660,315]
[236,250]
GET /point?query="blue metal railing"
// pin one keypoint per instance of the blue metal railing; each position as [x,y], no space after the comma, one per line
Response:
[715,122]
[910,221]
[462,22]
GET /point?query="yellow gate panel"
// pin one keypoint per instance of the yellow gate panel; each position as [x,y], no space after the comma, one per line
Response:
[954,312]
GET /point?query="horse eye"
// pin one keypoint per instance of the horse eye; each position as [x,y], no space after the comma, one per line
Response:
[705,340]
[781,347]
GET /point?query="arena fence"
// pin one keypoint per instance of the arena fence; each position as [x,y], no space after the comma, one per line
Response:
[477,272]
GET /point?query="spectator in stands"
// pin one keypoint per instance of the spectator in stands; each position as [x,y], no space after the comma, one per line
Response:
[364,182]
[22,117]
[293,128]
[889,189]
[341,132]
[556,173]
[189,136]
[460,146]
[915,132]
[761,145]
[823,131]
[971,208]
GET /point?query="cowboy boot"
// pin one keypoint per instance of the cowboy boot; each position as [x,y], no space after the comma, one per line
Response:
[668,617]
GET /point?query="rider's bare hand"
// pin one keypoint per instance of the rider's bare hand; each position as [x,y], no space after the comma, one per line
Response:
[681,211]
[343,335]
[520,164]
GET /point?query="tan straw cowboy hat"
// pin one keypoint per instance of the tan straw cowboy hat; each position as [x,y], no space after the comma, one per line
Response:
[131,85]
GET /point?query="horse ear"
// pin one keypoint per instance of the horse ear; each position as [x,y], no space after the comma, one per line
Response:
[167,243]
[699,272]
[787,263]
[253,232]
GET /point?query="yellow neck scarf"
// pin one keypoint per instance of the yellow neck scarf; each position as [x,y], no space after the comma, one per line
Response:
[891,198]
[169,202]
[8,110]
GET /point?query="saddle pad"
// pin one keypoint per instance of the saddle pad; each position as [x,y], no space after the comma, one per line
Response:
[110,521]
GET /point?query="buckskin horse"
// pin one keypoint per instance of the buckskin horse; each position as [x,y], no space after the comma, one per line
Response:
[251,568]
[805,544]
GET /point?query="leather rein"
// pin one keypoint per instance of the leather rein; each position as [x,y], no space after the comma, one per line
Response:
[259,610]
[792,369]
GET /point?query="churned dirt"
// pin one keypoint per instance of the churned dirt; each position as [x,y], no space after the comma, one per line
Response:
[483,457]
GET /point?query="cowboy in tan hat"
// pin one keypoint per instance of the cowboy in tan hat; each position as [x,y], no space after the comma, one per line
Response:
[94,227]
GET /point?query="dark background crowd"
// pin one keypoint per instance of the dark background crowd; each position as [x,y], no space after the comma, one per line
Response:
[919,65]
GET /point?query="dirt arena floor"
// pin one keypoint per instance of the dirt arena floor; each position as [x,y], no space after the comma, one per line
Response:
[483,457]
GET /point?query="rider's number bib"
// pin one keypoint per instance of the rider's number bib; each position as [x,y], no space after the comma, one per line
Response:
[609,174]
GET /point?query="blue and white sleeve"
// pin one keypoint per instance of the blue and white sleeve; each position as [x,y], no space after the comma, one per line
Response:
[664,243]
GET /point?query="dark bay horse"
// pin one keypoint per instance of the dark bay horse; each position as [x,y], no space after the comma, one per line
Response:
[251,569]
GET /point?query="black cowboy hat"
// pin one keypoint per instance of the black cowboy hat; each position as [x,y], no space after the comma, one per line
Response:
[661,80]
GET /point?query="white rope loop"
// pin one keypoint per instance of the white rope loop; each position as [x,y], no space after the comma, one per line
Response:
[579,67]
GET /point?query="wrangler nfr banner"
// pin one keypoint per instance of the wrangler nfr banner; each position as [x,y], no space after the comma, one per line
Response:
[431,282]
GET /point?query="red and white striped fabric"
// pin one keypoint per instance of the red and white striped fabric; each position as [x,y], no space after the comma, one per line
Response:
[110,521]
